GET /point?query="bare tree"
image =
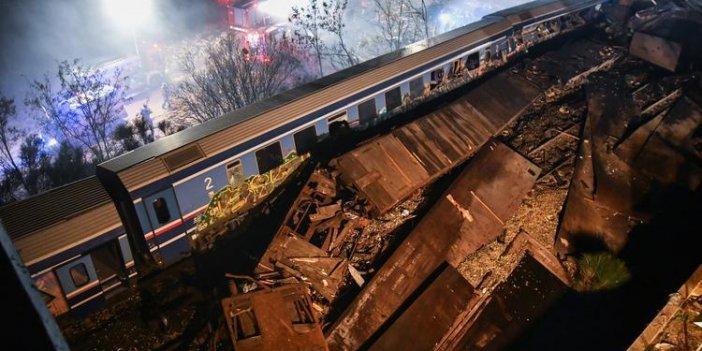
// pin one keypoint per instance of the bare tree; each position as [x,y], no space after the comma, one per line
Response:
[308,24]
[233,76]
[399,23]
[396,24]
[9,135]
[421,15]
[334,11]
[320,28]
[36,164]
[85,105]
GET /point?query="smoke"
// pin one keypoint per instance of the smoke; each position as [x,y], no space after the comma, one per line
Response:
[36,34]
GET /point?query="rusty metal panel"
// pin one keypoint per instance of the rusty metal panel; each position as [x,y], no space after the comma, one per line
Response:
[323,273]
[392,167]
[432,313]
[279,319]
[469,215]
[511,307]
[669,147]
[656,50]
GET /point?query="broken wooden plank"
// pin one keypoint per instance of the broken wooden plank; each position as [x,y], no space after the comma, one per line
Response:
[325,212]
[356,275]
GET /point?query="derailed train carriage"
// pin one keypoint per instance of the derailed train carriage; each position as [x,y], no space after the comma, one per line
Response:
[150,197]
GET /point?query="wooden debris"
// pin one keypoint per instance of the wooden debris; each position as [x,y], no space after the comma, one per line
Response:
[325,230]
[325,212]
[356,276]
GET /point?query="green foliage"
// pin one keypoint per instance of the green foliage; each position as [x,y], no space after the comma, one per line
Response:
[35,163]
[124,134]
[601,271]
[69,165]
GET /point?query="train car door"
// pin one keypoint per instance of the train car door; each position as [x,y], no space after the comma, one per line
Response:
[168,232]
[107,259]
[195,192]
[80,283]
[235,173]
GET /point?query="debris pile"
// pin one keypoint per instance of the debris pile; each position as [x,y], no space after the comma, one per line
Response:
[328,240]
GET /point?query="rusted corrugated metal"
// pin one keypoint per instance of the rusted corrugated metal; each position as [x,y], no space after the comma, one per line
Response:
[273,320]
[424,322]
[223,139]
[470,214]
[389,169]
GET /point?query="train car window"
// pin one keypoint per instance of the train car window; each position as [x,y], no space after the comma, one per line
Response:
[416,87]
[235,173]
[337,123]
[473,61]
[457,67]
[488,55]
[79,275]
[393,99]
[437,76]
[161,209]
[367,111]
[305,140]
[269,157]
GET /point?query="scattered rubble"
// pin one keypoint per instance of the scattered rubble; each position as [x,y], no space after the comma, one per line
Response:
[329,240]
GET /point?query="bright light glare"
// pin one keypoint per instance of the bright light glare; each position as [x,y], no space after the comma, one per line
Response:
[445,18]
[280,9]
[129,12]
[253,38]
[52,142]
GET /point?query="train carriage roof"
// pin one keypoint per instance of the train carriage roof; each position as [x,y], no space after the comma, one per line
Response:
[59,219]
[522,13]
[199,132]
[152,162]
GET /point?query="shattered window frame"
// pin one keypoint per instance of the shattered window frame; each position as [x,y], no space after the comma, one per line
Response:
[367,110]
[269,157]
[473,61]
[235,172]
[305,139]
[393,99]
[416,87]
